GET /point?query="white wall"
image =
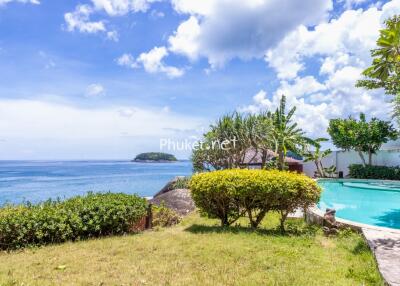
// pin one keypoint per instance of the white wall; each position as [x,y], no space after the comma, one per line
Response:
[342,160]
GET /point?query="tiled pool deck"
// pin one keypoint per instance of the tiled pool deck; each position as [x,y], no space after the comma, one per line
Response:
[386,247]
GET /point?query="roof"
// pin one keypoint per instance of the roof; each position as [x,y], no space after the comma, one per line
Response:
[254,157]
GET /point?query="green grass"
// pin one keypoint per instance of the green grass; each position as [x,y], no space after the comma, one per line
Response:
[199,252]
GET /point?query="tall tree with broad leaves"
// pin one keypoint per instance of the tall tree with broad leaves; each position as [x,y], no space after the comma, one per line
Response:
[385,69]
[286,135]
[361,135]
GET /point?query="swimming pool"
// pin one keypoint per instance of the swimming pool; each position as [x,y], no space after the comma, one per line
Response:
[369,202]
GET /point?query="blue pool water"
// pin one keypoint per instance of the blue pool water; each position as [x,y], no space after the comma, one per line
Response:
[39,181]
[370,202]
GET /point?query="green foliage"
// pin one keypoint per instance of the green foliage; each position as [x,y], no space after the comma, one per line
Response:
[360,135]
[374,172]
[230,194]
[181,183]
[385,69]
[316,156]
[155,156]
[77,218]
[164,216]
[256,133]
[240,132]
[286,135]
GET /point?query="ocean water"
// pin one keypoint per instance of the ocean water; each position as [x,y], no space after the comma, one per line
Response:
[371,202]
[35,181]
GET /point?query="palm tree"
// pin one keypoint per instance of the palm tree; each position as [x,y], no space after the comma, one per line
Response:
[287,136]
[317,155]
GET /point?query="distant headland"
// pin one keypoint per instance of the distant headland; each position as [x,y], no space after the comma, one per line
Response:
[154,157]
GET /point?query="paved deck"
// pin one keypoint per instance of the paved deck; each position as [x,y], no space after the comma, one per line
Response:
[386,248]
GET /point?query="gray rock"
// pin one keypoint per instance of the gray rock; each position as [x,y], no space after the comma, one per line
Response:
[180,200]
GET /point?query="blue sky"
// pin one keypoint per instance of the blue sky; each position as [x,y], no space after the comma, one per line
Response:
[106,79]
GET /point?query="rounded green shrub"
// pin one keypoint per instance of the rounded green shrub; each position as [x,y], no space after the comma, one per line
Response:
[230,194]
[77,218]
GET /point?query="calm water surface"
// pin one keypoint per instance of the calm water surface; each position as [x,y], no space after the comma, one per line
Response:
[38,181]
[371,202]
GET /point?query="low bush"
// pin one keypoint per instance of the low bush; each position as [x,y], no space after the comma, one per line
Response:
[181,183]
[358,171]
[77,218]
[230,194]
[164,216]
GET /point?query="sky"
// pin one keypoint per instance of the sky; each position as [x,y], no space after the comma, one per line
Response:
[107,79]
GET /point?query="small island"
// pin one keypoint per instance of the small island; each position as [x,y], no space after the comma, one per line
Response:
[152,157]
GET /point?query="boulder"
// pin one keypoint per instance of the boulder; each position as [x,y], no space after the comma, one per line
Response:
[179,200]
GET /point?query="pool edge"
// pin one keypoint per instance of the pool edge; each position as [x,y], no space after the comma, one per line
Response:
[314,215]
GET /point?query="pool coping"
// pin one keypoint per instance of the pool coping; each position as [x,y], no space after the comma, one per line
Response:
[316,215]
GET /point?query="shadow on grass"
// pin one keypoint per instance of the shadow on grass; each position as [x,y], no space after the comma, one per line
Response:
[292,229]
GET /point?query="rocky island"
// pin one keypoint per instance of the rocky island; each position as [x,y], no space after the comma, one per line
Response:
[154,157]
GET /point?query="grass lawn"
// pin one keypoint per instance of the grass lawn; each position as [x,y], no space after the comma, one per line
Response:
[199,252]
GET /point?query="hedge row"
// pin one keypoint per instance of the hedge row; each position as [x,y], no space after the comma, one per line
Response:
[77,218]
[231,194]
[374,172]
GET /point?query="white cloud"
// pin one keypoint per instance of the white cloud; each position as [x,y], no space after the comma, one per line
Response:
[80,20]
[95,90]
[154,14]
[152,62]
[185,39]
[4,2]
[342,47]
[127,60]
[346,40]
[122,7]
[224,29]
[54,130]
[113,35]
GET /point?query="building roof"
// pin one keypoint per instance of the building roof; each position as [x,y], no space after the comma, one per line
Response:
[254,157]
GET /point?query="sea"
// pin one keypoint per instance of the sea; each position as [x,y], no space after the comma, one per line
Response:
[37,181]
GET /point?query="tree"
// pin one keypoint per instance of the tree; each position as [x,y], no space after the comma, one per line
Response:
[360,135]
[316,156]
[258,133]
[286,135]
[385,69]
[241,131]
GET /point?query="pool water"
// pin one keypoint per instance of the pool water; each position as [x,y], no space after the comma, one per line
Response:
[370,202]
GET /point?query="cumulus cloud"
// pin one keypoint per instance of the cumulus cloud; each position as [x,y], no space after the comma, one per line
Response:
[122,7]
[95,90]
[79,20]
[4,2]
[342,49]
[152,62]
[224,29]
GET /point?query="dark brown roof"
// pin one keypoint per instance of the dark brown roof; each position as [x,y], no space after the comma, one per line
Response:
[255,157]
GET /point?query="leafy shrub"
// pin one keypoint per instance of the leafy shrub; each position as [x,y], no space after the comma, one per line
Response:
[358,171]
[76,218]
[229,194]
[181,183]
[164,216]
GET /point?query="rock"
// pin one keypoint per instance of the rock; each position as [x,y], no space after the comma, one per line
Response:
[330,226]
[168,187]
[179,200]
